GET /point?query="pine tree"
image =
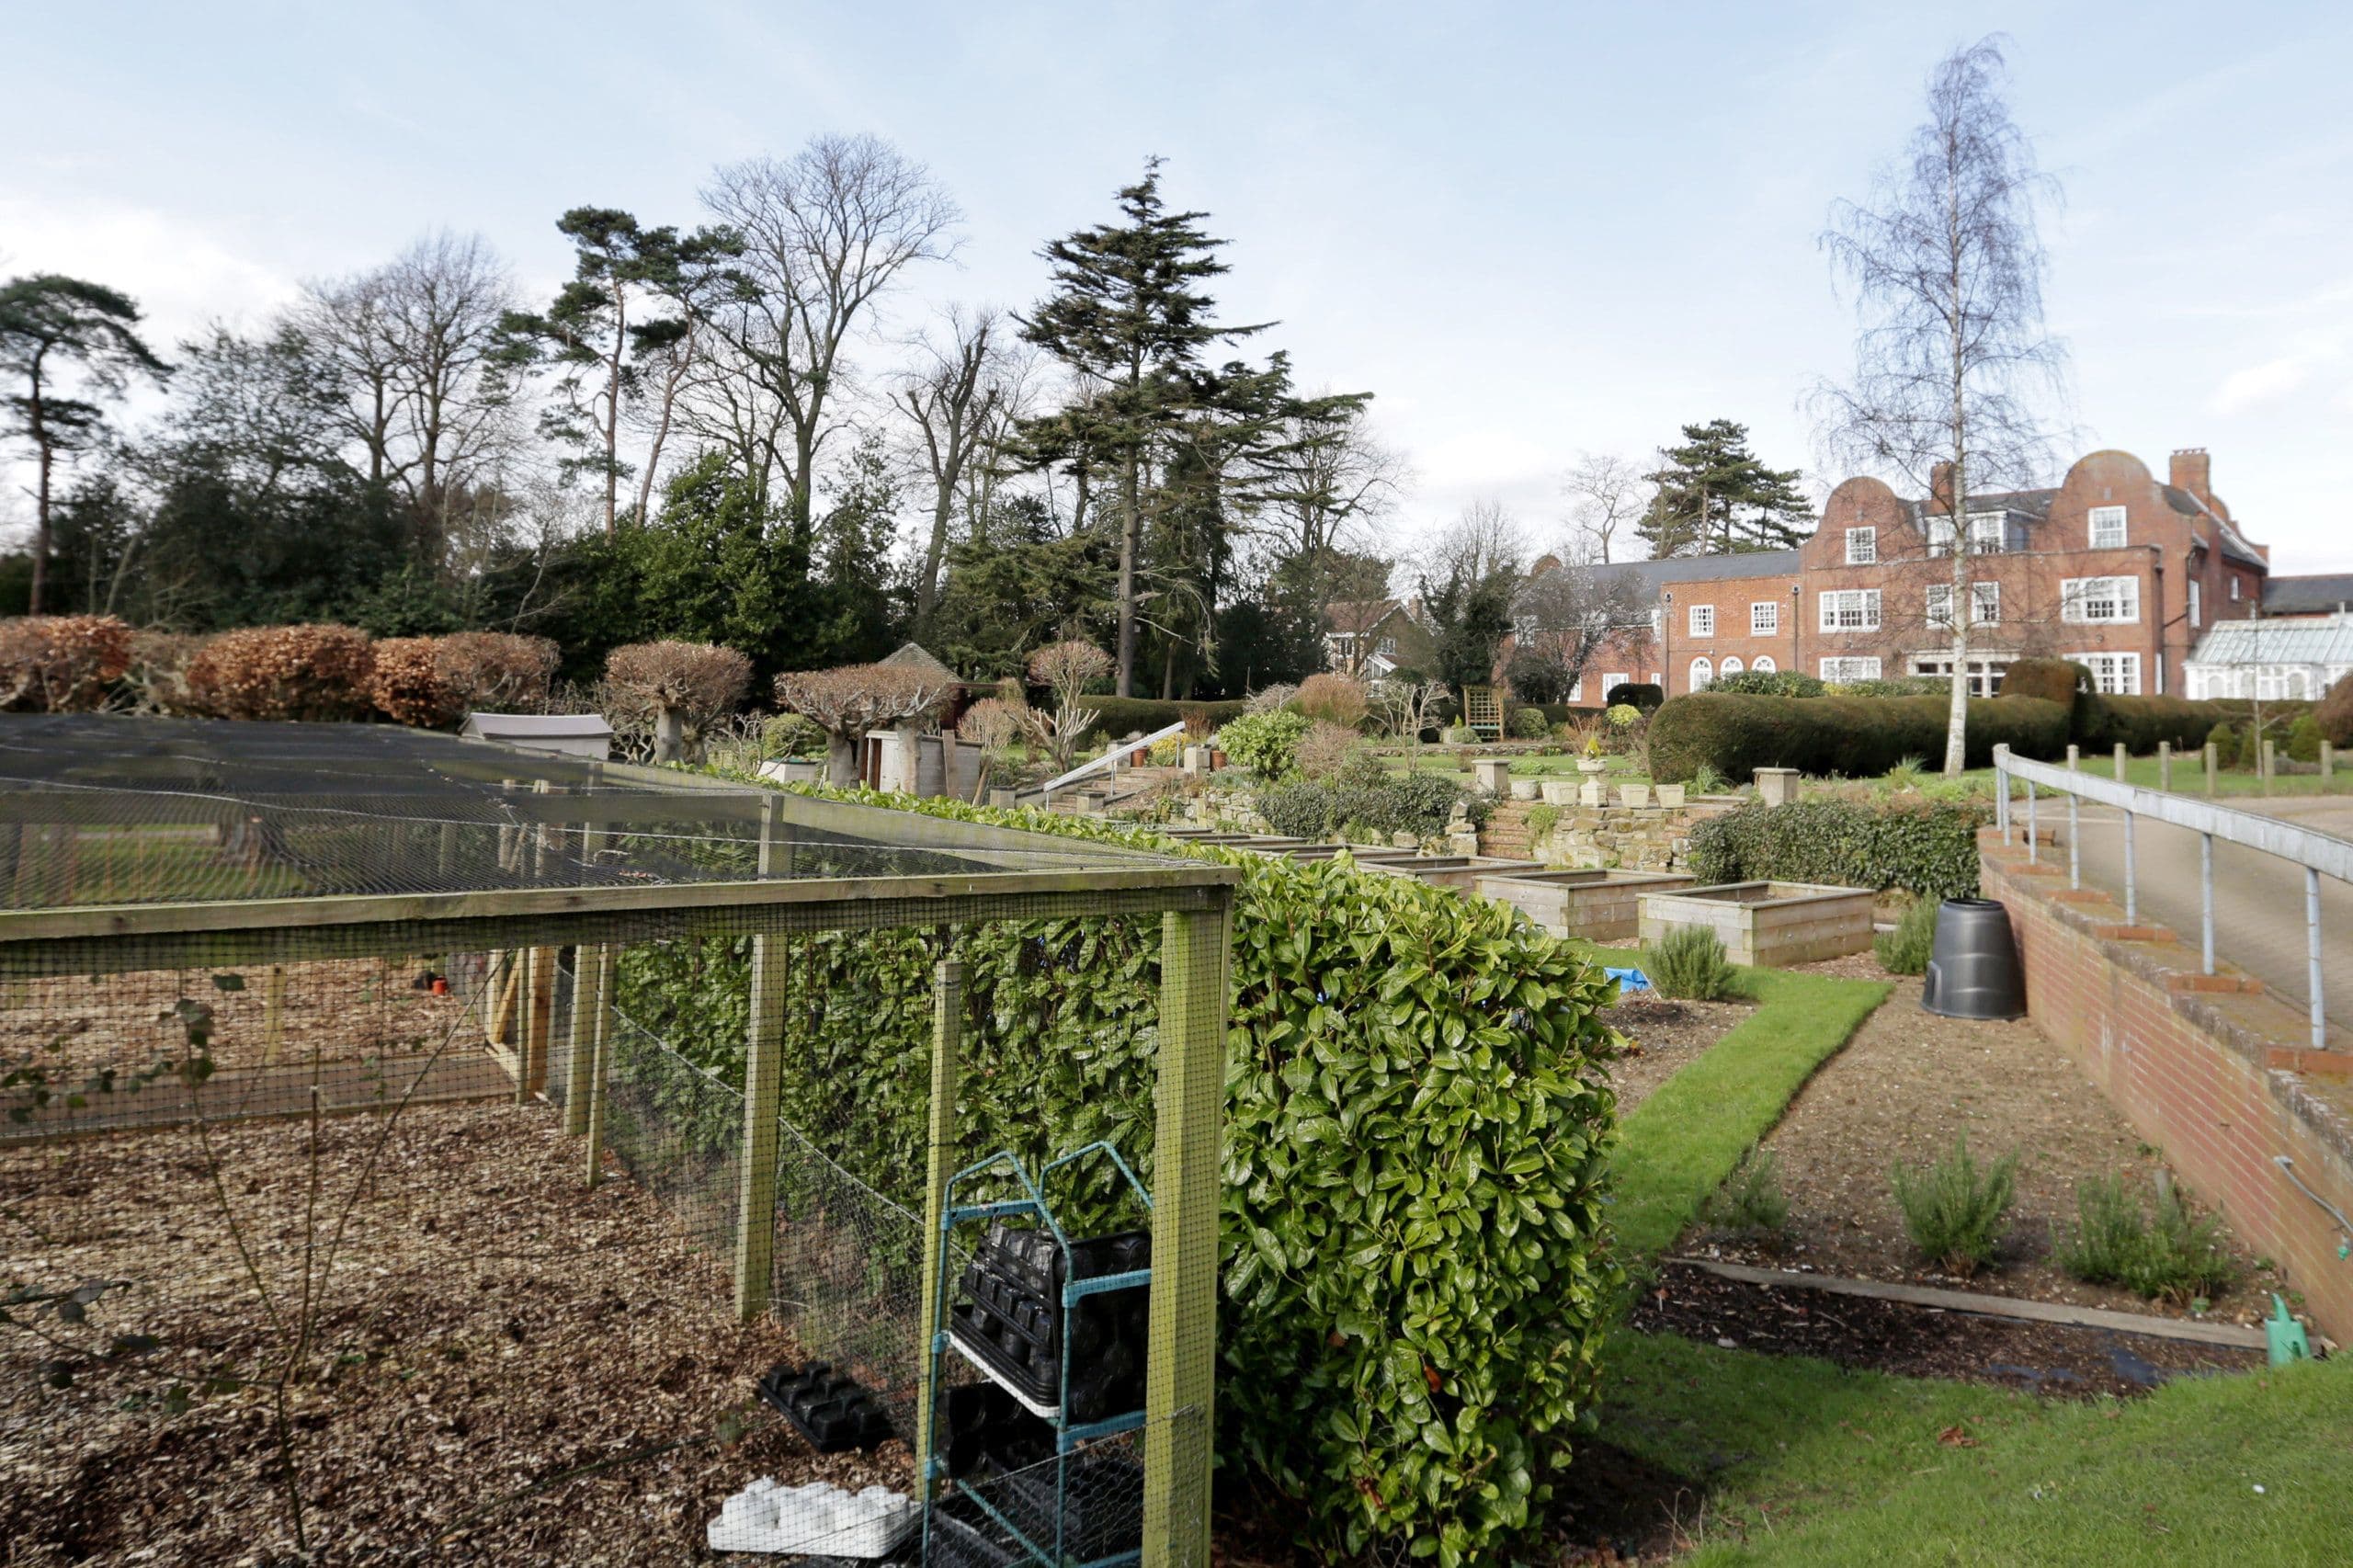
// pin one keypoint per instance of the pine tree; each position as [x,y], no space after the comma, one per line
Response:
[1715,497]
[1128,314]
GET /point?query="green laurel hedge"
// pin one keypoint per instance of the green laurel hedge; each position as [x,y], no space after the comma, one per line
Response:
[1118,717]
[1926,848]
[1857,737]
[1415,1256]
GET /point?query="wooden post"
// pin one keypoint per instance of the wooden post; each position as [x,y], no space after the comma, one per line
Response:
[947,1028]
[447,863]
[2165,766]
[1181,1362]
[599,1034]
[2075,758]
[539,997]
[2120,762]
[582,1077]
[763,1082]
[2209,770]
[2269,761]
[2327,762]
[273,1013]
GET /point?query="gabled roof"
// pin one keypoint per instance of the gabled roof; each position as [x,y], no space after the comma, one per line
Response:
[1352,615]
[914,656]
[2318,594]
[1649,576]
[2293,642]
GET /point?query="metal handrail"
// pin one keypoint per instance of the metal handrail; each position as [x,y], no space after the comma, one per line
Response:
[2319,854]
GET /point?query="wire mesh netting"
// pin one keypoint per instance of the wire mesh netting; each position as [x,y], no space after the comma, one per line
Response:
[451,1232]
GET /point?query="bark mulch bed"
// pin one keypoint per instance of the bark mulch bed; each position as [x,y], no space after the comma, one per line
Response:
[1663,1035]
[1919,1342]
[490,1325]
[1904,1089]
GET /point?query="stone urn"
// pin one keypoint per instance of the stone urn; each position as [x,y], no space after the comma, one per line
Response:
[1593,765]
[1670,794]
[1634,794]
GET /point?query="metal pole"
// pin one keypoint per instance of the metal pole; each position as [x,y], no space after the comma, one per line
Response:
[2033,840]
[2074,860]
[2002,790]
[2312,954]
[2206,899]
[2131,900]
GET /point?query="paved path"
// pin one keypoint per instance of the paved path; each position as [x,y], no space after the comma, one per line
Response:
[2259,899]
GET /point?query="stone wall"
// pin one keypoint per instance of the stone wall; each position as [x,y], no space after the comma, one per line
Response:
[1638,838]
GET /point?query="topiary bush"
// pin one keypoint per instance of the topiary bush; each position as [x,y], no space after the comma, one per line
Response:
[2051,680]
[2304,739]
[1413,1263]
[283,671]
[405,682]
[1528,724]
[2228,741]
[1267,743]
[61,663]
[1637,694]
[2141,723]
[1859,737]
[1770,683]
[1928,847]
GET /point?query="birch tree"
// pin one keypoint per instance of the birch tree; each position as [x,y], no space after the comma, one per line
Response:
[1954,370]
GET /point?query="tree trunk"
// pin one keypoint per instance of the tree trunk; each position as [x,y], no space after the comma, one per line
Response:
[1131,546]
[669,735]
[841,760]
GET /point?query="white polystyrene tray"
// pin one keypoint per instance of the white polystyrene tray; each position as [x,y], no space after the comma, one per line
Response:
[817,1519]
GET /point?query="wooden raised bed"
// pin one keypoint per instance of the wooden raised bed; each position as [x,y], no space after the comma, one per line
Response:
[1461,873]
[1772,924]
[1362,854]
[1598,905]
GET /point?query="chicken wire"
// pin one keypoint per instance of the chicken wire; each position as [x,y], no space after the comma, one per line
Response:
[419,1221]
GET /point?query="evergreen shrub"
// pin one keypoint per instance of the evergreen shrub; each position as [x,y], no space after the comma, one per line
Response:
[1267,743]
[1860,737]
[1118,717]
[2334,713]
[1928,847]
[1770,683]
[1952,1211]
[1639,694]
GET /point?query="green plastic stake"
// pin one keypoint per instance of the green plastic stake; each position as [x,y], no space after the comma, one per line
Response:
[2285,1334]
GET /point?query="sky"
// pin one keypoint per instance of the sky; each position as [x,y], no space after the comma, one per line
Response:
[1529,230]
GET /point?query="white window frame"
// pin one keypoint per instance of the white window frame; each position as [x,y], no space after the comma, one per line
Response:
[2197,603]
[1617,679]
[1985,673]
[1764,664]
[1702,672]
[2113,675]
[1700,619]
[1985,603]
[1765,617]
[1731,667]
[2102,519]
[1862,547]
[2234,588]
[1937,607]
[1834,667]
[2101,601]
[1835,606]
[1988,533]
[1941,533]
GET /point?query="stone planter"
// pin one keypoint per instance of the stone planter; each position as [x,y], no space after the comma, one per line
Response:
[1766,923]
[1592,765]
[1670,794]
[1461,873]
[1598,905]
[1559,792]
[1634,794]
[1590,793]
[1528,789]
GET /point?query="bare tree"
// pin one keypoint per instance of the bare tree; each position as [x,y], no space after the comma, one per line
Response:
[848,702]
[1606,492]
[964,370]
[1324,474]
[824,233]
[1562,617]
[1952,362]
[1484,540]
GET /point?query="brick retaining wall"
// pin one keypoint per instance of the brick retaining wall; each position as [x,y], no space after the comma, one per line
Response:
[2210,1069]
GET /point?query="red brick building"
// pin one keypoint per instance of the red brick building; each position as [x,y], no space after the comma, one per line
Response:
[2110,567]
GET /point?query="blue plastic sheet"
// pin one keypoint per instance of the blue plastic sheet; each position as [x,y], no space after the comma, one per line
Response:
[1628,979]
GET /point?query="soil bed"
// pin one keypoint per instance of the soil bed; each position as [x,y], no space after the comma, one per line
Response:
[1902,1089]
[1920,1342]
[1664,1035]
[491,1323]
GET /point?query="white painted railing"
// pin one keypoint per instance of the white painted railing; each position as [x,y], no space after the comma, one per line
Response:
[2319,854]
[1110,760]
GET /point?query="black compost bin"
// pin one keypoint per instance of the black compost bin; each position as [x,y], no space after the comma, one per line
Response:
[1975,973]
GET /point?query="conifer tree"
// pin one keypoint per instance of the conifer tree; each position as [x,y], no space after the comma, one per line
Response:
[1715,497]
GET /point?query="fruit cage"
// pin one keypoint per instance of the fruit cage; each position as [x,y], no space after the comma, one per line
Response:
[417,1144]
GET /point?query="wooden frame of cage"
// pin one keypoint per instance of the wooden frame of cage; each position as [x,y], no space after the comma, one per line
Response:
[1194,899]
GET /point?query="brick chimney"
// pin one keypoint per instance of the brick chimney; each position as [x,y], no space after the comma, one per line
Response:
[1941,487]
[2193,471]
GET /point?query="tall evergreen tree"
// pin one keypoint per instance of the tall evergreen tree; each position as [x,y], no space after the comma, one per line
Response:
[49,325]
[1715,497]
[1128,315]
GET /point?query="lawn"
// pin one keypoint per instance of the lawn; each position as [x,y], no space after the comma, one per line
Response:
[1794,1459]
[2188,779]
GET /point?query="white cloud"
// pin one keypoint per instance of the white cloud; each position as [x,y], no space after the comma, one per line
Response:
[2260,387]
[181,275]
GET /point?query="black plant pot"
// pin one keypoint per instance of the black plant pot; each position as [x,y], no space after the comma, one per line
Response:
[1975,972]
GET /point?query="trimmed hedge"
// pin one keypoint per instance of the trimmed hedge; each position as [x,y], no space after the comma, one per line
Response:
[1118,717]
[1418,803]
[2052,680]
[1634,694]
[1859,737]
[1928,849]
[1770,683]
[1414,1261]
[2141,722]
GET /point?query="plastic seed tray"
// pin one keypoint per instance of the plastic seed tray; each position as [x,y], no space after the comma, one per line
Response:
[834,1412]
[1011,1320]
[813,1519]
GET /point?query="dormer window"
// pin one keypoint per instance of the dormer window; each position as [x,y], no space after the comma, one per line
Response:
[2107,527]
[1862,547]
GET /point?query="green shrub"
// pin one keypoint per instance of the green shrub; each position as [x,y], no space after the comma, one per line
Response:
[1898,685]
[1907,773]
[1770,683]
[1622,716]
[1541,820]
[1751,1200]
[1859,737]
[1689,963]
[1296,809]
[1117,717]
[1461,735]
[2141,723]
[1907,948]
[2304,739]
[2173,1256]
[1415,1262]
[1952,1212]
[1418,803]
[2052,680]
[2225,739]
[1266,744]
[1528,724]
[1928,847]
[2334,713]
[1641,695]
